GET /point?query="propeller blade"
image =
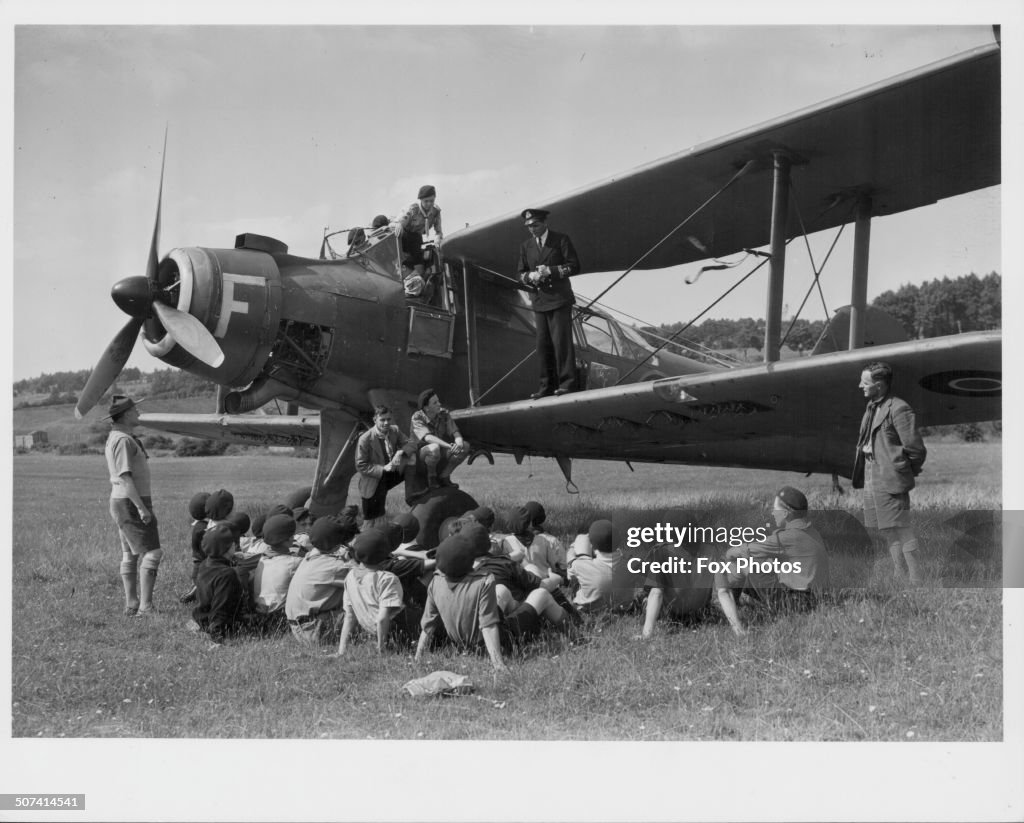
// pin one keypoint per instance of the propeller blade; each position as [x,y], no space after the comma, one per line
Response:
[153,261]
[190,334]
[109,367]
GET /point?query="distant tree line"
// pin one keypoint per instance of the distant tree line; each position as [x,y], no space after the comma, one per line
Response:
[744,334]
[63,387]
[65,382]
[935,308]
[939,307]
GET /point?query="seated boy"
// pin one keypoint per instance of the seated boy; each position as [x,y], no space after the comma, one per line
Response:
[795,541]
[219,592]
[461,601]
[602,578]
[516,544]
[253,544]
[274,572]
[525,600]
[546,553]
[197,509]
[674,590]
[317,590]
[240,522]
[373,598]
[485,517]
[303,523]
[408,561]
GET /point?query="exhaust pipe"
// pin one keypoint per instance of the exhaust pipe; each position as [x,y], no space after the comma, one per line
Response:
[262,390]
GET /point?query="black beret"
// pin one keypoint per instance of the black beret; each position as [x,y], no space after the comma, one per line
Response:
[792,499]
[371,547]
[240,521]
[425,396]
[197,505]
[600,535]
[537,513]
[484,516]
[278,527]
[219,504]
[218,540]
[328,533]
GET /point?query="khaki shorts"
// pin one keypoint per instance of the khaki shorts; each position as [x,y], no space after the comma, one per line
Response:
[136,537]
[883,510]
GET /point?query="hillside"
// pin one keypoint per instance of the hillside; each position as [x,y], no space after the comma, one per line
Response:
[60,424]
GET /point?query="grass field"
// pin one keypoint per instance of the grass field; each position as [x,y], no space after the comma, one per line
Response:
[873,663]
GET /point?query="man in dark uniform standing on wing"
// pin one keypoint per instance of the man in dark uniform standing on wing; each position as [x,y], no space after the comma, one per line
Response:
[546,262]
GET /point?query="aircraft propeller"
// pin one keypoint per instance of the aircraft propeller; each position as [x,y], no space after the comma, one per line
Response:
[140,297]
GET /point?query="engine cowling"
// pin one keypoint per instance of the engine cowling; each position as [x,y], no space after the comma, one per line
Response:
[236,294]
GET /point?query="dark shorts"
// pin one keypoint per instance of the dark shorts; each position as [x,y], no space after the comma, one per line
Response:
[136,536]
[883,510]
[374,507]
[519,626]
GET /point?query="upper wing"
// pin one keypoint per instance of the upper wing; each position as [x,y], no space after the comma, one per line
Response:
[908,141]
[801,414]
[249,429]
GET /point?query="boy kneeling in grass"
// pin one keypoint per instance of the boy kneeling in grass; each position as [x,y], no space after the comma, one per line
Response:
[373,597]
[218,589]
[462,601]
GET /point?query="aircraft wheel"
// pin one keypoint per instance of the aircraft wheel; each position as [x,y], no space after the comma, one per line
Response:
[435,507]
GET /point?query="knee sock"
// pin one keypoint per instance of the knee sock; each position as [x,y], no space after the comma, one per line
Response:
[911,557]
[130,579]
[150,563]
[895,552]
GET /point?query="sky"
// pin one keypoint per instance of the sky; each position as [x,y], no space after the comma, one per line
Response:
[286,130]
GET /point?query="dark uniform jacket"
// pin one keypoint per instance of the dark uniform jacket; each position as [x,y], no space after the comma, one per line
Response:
[554,292]
[220,597]
[896,445]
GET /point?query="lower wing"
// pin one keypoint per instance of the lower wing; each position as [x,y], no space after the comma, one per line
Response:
[801,414]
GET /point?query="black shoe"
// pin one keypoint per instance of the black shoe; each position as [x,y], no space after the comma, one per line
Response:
[537,395]
[447,483]
[189,596]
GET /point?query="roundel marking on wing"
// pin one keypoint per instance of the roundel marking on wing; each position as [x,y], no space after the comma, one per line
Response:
[965,383]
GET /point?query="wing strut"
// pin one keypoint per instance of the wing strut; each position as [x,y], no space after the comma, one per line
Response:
[472,354]
[859,289]
[777,269]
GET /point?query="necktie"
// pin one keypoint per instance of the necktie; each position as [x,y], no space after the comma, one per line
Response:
[142,448]
[865,424]
[540,245]
[390,452]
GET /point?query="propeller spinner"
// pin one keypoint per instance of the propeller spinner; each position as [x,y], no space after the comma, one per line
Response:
[140,298]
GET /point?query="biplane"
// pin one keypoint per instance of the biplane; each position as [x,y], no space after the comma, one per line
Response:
[332,337]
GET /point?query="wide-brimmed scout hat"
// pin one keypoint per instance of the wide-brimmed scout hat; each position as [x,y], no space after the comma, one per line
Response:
[119,404]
